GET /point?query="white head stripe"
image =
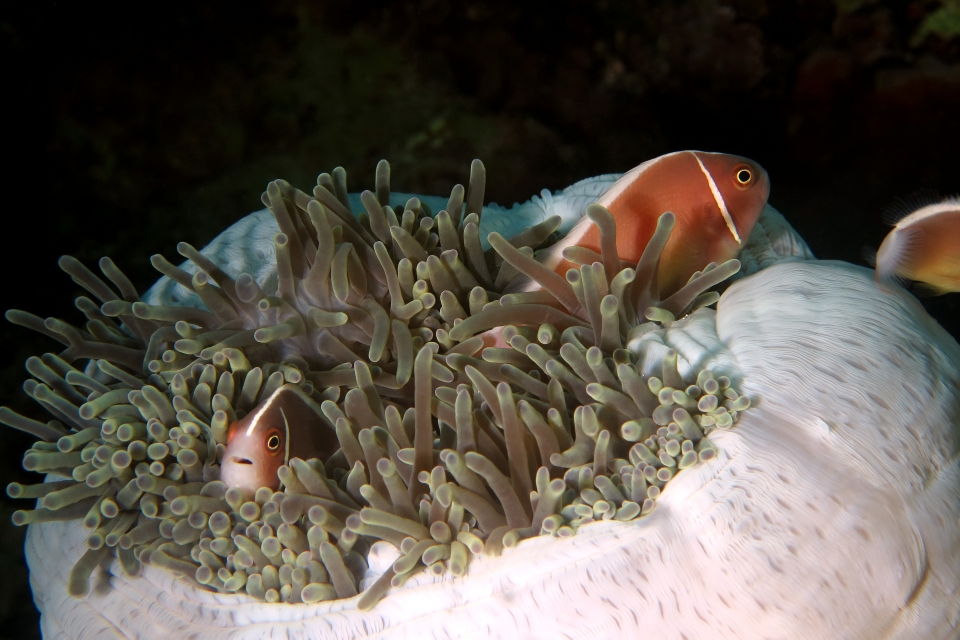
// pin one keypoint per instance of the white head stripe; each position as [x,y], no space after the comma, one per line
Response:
[718,197]
[286,439]
[256,416]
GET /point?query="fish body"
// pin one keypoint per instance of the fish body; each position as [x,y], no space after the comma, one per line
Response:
[924,246]
[286,425]
[716,198]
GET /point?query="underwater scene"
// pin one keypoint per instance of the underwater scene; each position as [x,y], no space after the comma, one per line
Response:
[477,320]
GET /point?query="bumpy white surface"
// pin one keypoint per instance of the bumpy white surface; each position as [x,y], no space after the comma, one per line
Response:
[772,240]
[831,510]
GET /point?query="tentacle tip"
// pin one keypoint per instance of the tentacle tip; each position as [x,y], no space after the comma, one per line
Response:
[66,262]
[594,207]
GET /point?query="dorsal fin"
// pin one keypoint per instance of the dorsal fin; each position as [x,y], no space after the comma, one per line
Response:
[902,207]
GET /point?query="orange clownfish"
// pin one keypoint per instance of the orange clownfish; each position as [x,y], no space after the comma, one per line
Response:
[716,198]
[924,246]
[286,425]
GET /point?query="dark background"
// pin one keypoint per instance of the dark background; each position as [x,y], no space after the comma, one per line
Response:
[128,132]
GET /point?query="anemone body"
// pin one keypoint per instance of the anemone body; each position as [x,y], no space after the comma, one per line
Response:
[831,510]
[599,470]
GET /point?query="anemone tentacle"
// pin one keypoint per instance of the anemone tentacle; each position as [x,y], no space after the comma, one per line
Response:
[447,449]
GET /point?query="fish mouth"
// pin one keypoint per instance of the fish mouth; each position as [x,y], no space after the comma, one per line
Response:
[242,472]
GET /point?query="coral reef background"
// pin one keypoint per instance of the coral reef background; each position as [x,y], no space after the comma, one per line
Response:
[128,132]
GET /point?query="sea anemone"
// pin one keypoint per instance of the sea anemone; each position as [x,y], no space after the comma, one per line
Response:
[579,451]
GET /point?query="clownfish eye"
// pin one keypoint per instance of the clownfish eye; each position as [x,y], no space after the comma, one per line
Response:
[744,176]
[273,442]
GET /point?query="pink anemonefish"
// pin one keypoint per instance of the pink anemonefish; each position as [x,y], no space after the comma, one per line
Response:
[924,246]
[286,425]
[716,198]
